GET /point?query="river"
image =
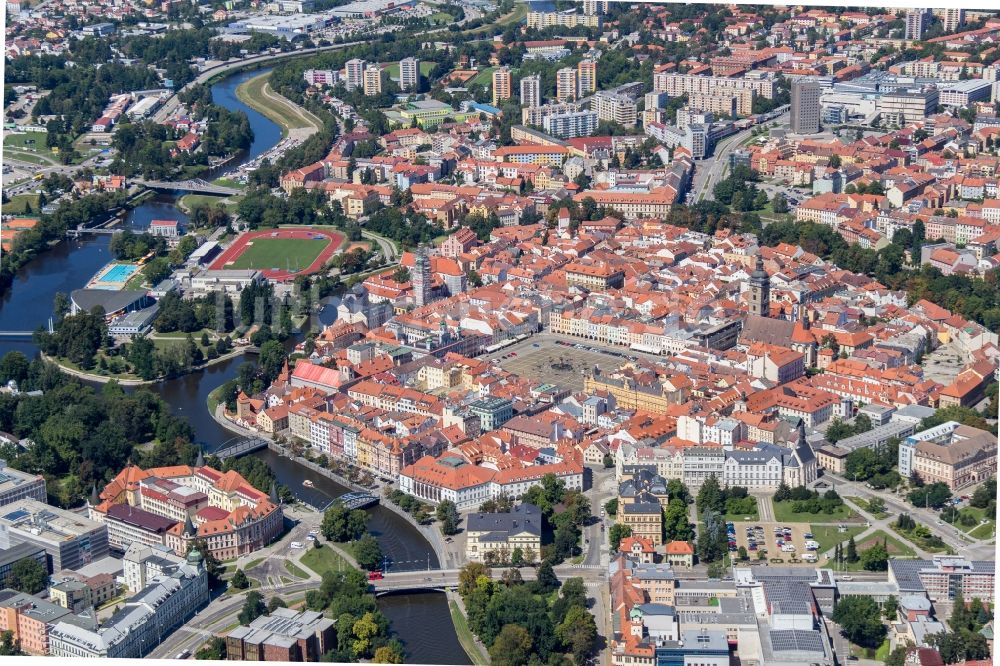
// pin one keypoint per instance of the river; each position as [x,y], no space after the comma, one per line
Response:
[421,621]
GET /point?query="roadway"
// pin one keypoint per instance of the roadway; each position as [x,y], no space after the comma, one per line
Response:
[956,539]
[710,171]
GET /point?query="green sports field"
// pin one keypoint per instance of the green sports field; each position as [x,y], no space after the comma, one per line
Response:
[293,254]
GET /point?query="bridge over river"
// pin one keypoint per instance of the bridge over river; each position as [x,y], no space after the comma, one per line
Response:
[443,579]
[195,185]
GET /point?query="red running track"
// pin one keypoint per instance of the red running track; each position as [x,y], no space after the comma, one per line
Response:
[239,246]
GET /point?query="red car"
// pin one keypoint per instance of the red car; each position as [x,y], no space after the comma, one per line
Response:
[375,575]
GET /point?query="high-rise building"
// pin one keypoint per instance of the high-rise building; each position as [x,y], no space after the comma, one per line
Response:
[760,290]
[615,108]
[373,79]
[409,74]
[355,73]
[531,91]
[595,7]
[501,84]
[566,84]
[421,279]
[952,18]
[570,125]
[916,22]
[586,76]
[805,106]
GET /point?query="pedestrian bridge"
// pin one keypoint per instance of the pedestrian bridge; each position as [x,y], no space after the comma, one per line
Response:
[240,446]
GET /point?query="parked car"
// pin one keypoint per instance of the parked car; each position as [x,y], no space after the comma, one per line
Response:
[375,575]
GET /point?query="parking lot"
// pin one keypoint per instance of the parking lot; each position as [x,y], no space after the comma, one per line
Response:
[765,538]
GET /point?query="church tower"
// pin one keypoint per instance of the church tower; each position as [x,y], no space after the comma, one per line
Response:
[421,278]
[760,290]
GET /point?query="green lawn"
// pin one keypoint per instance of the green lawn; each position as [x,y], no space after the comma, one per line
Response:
[189,201]
[323,559]
[896,547]
[257,93]
[440,18]
[828,536]
[16,204]
[741,517]
[33,158]
[33,140]
[979,515]
[783,514]
[985,531]
[425,67]
[483,78]
[465,636]
[291,253]
[864,504]
[295,570]
[922,543]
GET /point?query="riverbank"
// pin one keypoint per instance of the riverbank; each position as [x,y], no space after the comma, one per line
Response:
[129,381]
[295,122]
[447,558]
[473,646]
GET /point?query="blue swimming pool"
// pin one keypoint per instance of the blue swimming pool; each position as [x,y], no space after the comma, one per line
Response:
[119,273]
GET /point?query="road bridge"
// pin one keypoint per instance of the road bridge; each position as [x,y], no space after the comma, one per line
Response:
[195,185]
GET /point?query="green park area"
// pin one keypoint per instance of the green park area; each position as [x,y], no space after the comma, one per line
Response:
[828,536]
[258,94]
[292,254]
[26,141]
[323,559]
[784,512]
[22,204]
[483,78]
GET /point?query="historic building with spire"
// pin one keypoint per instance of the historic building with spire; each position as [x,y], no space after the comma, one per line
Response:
[760,290]
[180,505]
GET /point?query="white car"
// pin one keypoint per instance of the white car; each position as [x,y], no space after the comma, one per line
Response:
[296,545]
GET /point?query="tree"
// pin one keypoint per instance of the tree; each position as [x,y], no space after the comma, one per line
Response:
[447,514]
[578,633]
[468,577]
[511,647]
[545,580]
[875,558]
[710,496]
[387,654]
[368,553]
[860,620]
[342,524]
[239,580]
[934,495]
[876,505]
[618,532]
[676,524]
[214,649]
[253,608]
[852,550]
[28,576]
[511,577]
[984,494]
[9,646]
[889,608]
[274,603]
[364,629]
[898,656]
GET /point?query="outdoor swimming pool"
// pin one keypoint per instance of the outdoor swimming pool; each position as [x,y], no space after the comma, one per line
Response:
[118,273]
